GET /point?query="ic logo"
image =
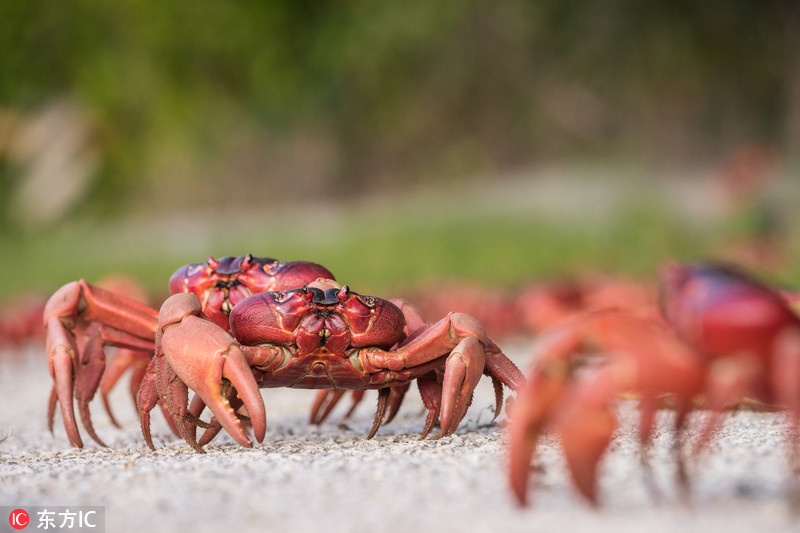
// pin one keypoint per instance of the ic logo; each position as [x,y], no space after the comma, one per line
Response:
[18,519]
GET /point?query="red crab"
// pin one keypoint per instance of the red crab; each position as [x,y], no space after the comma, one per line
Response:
[298,329]
[21,320]
[318,336]
[81,319]
[547,305]
[724,335]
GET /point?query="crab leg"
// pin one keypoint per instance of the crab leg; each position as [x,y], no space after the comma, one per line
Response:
[644,358]
[389,400]
[129,324]
[87,372]
[327,399]
[146,400]
[80,300]
[786,372]
[324,402]
[786,376]
[383,402]
[430,388]
[462,342]
[124,360]
[396,396]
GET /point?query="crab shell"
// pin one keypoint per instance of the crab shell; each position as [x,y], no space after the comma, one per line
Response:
[322,315]
[722,311]
[221,284]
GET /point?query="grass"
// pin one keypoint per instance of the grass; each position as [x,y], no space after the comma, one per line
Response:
[375,246]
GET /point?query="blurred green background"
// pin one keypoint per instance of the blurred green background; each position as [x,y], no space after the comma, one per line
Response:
[395,142]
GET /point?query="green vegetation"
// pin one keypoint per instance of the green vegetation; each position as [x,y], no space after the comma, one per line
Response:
[282,96]
[377,249]
[208,127]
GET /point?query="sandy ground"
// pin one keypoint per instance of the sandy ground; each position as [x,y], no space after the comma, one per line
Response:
[331,479]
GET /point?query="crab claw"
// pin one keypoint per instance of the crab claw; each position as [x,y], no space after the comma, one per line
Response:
[208,360]
[61,349]
[580,414]
[530,415]
[463,371]
[586,426]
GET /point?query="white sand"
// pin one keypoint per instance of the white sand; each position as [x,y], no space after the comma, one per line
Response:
[330,479]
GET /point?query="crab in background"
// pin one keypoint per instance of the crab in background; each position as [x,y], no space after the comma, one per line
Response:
[21,320]
[722,336]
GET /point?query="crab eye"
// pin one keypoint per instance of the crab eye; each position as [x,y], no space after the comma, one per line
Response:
[211,265]
[343,293]
[307,294]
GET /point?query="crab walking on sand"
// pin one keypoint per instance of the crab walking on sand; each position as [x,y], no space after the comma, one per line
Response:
[241,323]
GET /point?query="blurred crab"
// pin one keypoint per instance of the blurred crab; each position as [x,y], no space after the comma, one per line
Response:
[21,320]
[724,336]
[81,319]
